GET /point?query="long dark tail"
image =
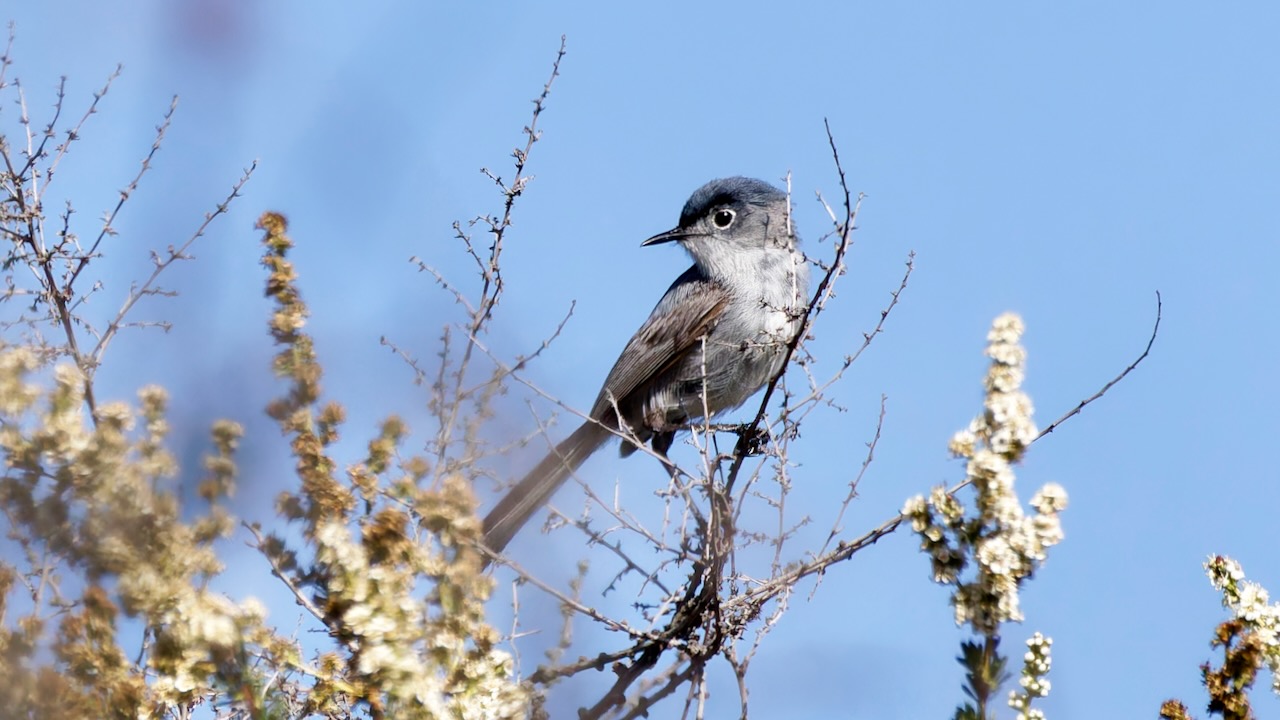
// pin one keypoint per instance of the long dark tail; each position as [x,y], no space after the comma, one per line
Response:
[531,493]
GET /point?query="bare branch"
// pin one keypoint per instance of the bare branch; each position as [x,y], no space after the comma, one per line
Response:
[1076,410]
[94,358]
[853,484]
[132,187]
[492,284]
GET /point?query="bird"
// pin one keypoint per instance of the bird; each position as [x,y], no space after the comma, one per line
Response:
[720,333]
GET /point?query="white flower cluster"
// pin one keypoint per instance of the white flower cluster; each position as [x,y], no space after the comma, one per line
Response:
[201,629]
[16,395]
[1035,667]
[415,660]
[1007,423]
[1250,603]
[427,652]
[1006,544]
[111,514]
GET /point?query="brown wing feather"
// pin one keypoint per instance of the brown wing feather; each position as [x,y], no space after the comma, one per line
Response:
[664,340]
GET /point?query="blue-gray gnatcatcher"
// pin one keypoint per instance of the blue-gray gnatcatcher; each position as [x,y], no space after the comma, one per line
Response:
[718,335]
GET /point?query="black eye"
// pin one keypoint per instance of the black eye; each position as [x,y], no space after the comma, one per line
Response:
[723,218]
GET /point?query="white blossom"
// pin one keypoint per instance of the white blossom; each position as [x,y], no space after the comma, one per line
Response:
[1249,603]
[1036,663]
[1005,543]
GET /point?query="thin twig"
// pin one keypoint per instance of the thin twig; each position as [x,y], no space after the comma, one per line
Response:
[300,597]
[131,188]
[1076,410]
[492,287]
[94,358]
[853,484]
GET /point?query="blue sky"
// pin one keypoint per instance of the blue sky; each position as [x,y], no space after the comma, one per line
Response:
[1063,161]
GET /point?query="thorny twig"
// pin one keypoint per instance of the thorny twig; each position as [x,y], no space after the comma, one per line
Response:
[107,224]
[491,290]
[161,263]
[27,193]
[853,484]
[27,184]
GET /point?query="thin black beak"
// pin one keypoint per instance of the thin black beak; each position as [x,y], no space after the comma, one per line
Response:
[665,237]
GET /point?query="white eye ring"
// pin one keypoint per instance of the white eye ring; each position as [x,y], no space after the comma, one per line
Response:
[723,218]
